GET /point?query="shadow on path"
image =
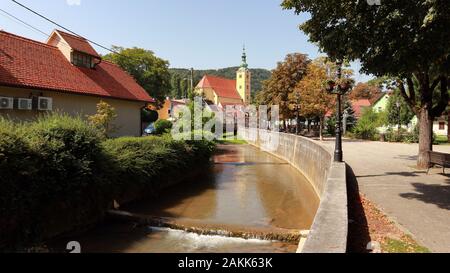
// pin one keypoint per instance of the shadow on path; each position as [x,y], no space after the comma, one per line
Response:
[358,229]
[405,174]
[435,194]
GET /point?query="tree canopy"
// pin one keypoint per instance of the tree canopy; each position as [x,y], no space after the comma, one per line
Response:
[151,72]
[406,39]
[364,91]
[283,81]
[398,115]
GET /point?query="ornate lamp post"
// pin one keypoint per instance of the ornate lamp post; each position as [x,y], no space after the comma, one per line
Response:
[339,88]
[297,108]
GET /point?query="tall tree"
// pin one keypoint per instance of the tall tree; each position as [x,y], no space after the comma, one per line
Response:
[406,39]
[400,114]
[151,72]
[283,81]
[314,99]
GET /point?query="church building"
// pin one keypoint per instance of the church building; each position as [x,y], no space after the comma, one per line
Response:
[223,92]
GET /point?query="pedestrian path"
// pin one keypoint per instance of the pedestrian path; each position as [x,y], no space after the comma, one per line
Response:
[418,202]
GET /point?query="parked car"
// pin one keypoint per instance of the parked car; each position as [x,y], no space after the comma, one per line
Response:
[150,130]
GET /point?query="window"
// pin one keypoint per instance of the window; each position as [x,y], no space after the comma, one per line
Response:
[83,60]
[441,125]
[240,76]
[240,87]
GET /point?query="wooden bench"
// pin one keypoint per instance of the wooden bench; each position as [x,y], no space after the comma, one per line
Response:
[439,159]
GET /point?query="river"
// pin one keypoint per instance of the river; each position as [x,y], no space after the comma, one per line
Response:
[244,189]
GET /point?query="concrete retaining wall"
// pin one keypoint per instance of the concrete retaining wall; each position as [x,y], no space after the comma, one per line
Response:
[329,231]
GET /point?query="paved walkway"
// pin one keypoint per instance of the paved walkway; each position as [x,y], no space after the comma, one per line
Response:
[418,202]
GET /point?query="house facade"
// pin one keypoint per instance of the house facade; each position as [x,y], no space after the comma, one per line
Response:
[65,74]
[171,108]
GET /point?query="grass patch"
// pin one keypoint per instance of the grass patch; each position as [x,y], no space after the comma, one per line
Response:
[405,245]
[231,139]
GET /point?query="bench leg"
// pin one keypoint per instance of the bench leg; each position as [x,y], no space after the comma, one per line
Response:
[443,170]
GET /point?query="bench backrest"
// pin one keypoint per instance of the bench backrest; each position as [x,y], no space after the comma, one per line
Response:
[439,158]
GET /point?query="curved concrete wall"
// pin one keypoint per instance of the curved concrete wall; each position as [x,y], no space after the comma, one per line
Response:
[329,231]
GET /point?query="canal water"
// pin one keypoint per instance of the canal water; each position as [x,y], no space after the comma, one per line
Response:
[243,189]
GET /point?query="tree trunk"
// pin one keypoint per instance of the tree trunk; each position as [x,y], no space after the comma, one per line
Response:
[425,138]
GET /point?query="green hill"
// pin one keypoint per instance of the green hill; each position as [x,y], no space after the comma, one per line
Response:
[179,85]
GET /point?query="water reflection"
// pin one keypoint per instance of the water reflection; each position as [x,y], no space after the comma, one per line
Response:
[243,187]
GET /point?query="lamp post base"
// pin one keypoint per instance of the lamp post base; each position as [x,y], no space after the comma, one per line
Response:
[338,156]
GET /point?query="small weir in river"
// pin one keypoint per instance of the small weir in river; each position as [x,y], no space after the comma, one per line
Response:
[246,201]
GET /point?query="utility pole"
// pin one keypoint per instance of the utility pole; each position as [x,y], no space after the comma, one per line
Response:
[192,81]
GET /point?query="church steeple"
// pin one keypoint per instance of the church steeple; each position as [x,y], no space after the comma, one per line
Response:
[243,80]
[244,59]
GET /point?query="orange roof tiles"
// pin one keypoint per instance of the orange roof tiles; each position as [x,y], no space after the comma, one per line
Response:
[224,88]
[30,64]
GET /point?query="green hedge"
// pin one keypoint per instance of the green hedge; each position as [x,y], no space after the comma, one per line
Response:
[58,174]
[163,126]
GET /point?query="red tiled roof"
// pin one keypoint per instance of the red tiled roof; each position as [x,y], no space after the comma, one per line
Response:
[30,64]
[359,105]
[224,88]
[78,43]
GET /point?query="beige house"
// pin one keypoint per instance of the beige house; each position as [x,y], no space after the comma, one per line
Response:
[65,74]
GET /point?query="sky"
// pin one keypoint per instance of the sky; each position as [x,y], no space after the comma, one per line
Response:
[203,34]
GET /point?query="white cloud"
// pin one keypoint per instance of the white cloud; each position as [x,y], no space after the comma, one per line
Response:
[73,2]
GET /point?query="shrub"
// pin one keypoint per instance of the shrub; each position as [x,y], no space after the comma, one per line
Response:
[57,186]
[396,136]
[57,174]
[413,137]
[162,127]
[149,116]
[142,162]
[366,127]
[104,118]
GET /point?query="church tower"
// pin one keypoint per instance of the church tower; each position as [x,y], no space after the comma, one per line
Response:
[243,80]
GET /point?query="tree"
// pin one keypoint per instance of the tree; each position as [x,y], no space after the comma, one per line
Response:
[282,83]
[103,119]
[151,72]
[406,39]
[396,115]
[364,91]
[314,99]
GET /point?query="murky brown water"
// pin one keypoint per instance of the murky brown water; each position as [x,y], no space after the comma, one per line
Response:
[243,188]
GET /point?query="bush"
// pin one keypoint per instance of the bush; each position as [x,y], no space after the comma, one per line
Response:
[50,176]
[146,165]
[366,127]
[162,127]
[57,174]
[413,137]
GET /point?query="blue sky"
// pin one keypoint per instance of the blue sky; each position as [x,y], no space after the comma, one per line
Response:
[188,33]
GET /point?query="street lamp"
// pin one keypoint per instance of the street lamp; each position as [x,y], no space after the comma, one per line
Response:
[297,108]
[339,88]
